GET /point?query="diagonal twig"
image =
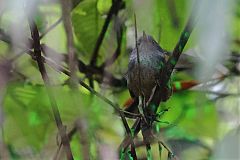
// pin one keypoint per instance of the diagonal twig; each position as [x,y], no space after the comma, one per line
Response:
[117,52]
[74,4]
[26,48]
[115,106]
[51,28]
[42,69]
[62,69]
[113,10]
[172,61]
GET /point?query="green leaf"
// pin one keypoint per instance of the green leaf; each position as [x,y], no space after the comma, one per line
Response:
[26,123]
[86,23]
[103,6]
[193,114]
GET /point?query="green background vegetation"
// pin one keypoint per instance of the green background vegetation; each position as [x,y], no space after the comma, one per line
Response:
[196,121]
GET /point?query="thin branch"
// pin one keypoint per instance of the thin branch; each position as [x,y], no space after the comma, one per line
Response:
[172,61]
[51,27]
[74,4]
[147,137]
[177,120]
[144,124]
[115,106]
[81,125]
[56,155]
[66,11]
[42,69]
[127,140]
[173,12]
[117,52]
[91,90]
[219,94]
[70,134]
[160,150]
[87,69]
[138,58]
[113,10]
[60,68]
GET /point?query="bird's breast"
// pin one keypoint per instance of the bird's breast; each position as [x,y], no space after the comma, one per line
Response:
[150,66]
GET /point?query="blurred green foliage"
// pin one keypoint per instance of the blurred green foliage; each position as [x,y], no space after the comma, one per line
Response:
[29,128]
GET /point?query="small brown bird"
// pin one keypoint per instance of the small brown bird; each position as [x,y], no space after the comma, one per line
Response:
[152,59]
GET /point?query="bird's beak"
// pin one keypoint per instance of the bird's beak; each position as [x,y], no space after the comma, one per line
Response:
[144,36]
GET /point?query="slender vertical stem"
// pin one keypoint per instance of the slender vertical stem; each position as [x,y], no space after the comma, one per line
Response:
[42,69]
[114,9]
[72,60]
[160,150]
[138,58]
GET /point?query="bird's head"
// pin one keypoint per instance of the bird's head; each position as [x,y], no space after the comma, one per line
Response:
[147,43]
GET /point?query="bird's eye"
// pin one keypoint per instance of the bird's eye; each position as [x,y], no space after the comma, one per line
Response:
[139,42]
[152,41]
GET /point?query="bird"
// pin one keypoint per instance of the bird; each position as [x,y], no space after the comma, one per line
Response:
[152,59]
